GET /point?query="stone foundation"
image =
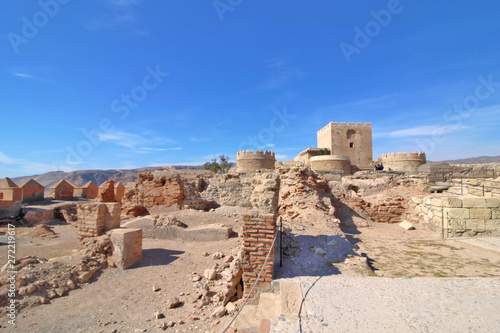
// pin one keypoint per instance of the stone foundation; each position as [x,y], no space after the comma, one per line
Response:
[458,215]
[126,247]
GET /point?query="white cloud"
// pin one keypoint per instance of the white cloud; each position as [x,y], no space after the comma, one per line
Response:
[422,131]
[22,167]
[135,141]
[160,149]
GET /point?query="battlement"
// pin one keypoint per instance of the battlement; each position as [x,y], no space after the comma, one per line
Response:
[413,155]
[351,125]
[257,154]
[403,161]
[250,161]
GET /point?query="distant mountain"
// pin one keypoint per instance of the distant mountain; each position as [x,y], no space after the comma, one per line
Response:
[474,160]
[81,177]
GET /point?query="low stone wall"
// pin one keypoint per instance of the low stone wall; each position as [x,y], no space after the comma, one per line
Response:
[258,235]
[202,234]
[458,215]
[331,162]
[229,190]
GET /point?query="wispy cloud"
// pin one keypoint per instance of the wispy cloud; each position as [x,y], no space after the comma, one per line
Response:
[22,166]
[119,12]
[138,142]
[421,131]
[281,74]
[160,149]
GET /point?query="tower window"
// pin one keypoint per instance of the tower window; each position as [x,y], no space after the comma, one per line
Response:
[351,145]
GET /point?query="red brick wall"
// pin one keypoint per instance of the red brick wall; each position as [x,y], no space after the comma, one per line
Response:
[258,235]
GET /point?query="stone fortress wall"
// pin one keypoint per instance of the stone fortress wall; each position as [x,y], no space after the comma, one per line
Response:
[251,161]
[331,162]
[407,162]
[349,139]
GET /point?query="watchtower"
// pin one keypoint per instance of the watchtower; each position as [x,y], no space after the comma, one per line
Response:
[352,139]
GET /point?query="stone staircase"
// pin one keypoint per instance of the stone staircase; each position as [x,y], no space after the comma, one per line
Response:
[284,300]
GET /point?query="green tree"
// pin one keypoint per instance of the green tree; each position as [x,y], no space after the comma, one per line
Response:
[324,151]
[219,167]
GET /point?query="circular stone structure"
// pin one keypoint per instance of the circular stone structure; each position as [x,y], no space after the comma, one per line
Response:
[249,161]
[331,162]
[406,162]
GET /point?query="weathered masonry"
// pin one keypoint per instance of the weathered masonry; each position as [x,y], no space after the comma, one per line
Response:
[258,236]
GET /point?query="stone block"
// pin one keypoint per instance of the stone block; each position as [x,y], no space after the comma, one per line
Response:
[436,202]
[417,200]
[493,202]
[126,246]
[495,213]
[476,224]
[493,225]
[469,202]
[461,213]
[480,213]
[452,202]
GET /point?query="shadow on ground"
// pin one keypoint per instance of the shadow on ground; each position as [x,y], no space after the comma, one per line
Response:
[157,257]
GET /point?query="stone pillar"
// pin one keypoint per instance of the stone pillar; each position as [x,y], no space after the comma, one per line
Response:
[126,246]
[258,235]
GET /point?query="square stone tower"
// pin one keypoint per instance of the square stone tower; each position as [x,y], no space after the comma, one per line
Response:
[353,140]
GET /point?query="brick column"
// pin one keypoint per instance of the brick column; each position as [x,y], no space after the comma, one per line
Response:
[258,235]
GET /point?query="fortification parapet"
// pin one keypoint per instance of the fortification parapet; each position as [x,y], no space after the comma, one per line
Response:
[403,161]
[250,161]
[344,125]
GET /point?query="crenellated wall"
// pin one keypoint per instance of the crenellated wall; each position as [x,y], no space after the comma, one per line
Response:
[349,139]
[407,162]
[250,162]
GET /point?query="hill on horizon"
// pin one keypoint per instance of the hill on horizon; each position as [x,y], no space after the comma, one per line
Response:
[473,160]
[80,177]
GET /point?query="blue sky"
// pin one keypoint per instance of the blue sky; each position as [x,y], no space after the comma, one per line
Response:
[102,84]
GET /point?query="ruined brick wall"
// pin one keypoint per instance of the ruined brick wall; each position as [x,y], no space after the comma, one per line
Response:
[258,235]
[96,218]
[351,139]
[408,163]
[250,162]
[158,188]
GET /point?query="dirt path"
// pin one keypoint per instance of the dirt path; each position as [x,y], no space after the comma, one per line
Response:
[336,304]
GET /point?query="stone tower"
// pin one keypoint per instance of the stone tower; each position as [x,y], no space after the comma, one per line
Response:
[352,139]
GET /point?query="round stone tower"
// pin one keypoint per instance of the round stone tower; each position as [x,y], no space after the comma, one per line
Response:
[250,162]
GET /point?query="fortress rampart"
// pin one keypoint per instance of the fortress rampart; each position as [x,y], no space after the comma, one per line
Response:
[331,162]
[251,161]
[407,162]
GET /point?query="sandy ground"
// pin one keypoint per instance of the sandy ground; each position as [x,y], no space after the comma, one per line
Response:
[395,252]
[336,304]
[124,301]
